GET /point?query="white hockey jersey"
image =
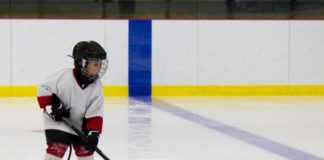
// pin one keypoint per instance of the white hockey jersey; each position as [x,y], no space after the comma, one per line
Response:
[83,101]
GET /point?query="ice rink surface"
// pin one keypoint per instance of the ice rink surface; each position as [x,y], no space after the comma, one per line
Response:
[183,128]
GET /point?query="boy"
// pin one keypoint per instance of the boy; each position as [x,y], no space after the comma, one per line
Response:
[75,94]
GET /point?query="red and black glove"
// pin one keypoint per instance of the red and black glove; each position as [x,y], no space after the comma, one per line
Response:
[92,142]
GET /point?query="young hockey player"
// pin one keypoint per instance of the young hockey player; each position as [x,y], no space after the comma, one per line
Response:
[75,94]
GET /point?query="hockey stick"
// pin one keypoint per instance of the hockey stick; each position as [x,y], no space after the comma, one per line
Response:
[83,137]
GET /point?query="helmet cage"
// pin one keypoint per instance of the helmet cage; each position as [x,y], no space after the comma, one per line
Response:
[82,64]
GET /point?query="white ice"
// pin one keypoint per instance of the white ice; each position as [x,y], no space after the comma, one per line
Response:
[134,130]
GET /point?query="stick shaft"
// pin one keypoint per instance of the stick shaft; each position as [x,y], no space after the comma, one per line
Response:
[84,137]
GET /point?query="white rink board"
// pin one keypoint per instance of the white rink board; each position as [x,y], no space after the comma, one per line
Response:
[184,52]
[239,52]
[40,47]
[116,45]
[307,52]
[5,52]
[243,52]
[174,52]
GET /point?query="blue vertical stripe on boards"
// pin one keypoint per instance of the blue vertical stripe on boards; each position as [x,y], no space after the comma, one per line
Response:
[140,57]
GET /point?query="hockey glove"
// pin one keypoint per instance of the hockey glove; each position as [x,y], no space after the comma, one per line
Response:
[57,110]
[93,139]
